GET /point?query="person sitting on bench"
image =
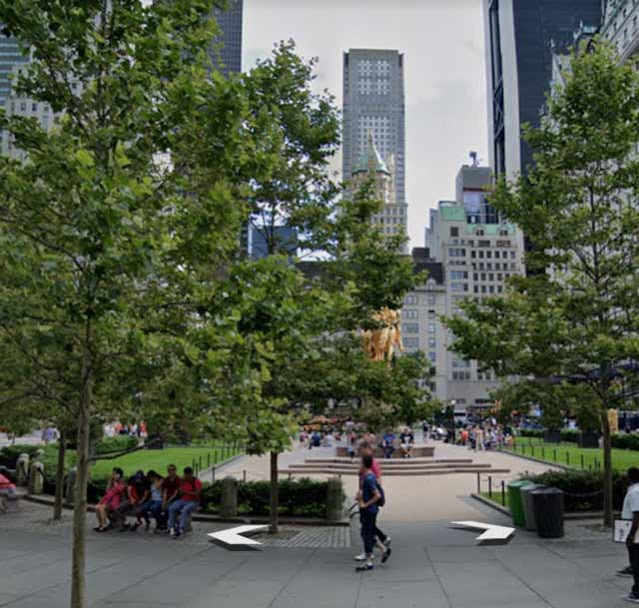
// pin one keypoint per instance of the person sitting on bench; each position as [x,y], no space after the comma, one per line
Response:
[406,441]
[388,444]
[190,491]
[110,502]
[7,488]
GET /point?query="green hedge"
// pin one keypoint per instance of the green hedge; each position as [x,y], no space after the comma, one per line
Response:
[583,490]
[531,433]
[119,443]
[625,441]
[297,497]
[570,435]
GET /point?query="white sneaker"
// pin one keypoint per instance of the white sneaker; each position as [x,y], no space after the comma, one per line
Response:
[171,531]
[361,557]
[387,541]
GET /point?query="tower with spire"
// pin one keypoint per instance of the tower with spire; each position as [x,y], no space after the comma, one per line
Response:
[373,168]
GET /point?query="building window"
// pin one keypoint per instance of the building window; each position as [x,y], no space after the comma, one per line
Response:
[410,314]
[411,342]
[454,231]
[432,342]
[432,328]
[460,363]
[432,298]
[432,355]
[461,375]
[431,314]
[410,328]
[411,299]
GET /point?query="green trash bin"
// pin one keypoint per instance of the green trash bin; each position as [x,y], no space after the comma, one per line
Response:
[516,502]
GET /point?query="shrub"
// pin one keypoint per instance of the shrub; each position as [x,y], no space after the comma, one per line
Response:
[583,490]
[625,441]
[11,453]
[531,433]
[298,497]
[570,435]
[119,443]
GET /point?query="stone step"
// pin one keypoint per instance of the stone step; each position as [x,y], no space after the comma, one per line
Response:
[407,467]
[387,462]
[394,473]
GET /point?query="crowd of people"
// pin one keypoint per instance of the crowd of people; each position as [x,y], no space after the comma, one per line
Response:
[169,501]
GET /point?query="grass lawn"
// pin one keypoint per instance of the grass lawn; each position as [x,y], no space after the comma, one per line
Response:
[568,454]
[160,459]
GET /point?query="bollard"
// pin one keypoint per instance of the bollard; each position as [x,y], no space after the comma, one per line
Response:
[503,493]
[199,463]
[554,455]
[22,469]
[208,460]
[334,499]
[244,475]
[582,461]
[69,490]
[36,478]
[228,499]
[212,474]
[478,484]
[490,486]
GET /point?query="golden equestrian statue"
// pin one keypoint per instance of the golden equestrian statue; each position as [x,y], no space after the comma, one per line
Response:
[380,343]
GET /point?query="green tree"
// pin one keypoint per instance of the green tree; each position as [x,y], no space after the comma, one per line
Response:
[575,316]
[111,201]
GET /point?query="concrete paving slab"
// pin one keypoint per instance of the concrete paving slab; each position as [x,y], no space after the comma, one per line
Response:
[238,594]
[408,594]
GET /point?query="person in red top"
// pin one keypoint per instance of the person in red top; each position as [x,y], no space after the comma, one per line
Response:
[111,501]
[384,540]
[190,492]
[7,487]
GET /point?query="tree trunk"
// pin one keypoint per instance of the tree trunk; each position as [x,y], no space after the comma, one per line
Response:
[59,477]
[607,468]
[274,494]
[78,582]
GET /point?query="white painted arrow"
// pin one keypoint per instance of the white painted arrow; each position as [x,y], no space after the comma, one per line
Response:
[491,535]
[232,538]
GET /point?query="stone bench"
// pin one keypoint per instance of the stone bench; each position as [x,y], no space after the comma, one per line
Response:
[419,451]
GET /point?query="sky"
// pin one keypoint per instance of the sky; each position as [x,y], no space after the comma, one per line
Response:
[444,75]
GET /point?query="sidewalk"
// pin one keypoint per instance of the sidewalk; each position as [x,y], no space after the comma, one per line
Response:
[431,566]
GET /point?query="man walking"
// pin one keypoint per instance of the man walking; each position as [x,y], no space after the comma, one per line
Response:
[630,512]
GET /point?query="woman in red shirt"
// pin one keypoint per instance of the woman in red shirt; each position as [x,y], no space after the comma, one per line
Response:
[111,500]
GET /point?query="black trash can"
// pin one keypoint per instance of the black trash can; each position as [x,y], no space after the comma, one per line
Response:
[548,504]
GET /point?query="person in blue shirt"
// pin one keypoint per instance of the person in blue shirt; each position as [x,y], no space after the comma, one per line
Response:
[388,444]
[369,497]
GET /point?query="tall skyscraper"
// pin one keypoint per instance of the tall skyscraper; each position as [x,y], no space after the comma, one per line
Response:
[227,51]
[520,36]
[10,56]
[374,104]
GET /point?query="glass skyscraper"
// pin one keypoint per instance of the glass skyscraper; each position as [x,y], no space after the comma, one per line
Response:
[227,51]
[374,104]
[10,56]
[520,36]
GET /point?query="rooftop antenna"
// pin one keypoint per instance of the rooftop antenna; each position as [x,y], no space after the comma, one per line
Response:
[473,157]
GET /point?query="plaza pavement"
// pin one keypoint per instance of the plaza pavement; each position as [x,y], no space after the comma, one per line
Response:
[414,498]
[431,565]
